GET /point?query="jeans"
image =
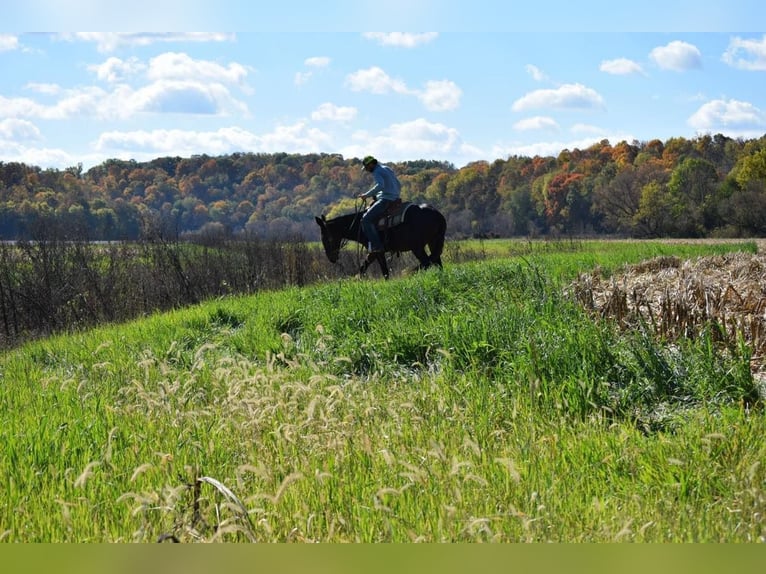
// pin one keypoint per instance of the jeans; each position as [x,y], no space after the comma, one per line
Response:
[369,220]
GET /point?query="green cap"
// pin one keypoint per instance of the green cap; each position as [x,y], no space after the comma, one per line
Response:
[368,160]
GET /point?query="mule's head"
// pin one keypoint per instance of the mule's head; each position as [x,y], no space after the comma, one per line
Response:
[331,241]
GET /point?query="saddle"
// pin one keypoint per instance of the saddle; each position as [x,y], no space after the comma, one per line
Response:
[394,214]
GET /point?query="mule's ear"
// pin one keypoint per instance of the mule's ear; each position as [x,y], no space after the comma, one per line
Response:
[320,221]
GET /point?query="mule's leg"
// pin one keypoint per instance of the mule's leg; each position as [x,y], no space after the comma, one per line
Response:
[420,253]
[366,263]
[435,258]
[382,262]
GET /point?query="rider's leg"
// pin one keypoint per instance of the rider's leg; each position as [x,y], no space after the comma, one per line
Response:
[369,221]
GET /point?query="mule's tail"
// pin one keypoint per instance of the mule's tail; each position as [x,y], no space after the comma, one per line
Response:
[436,245]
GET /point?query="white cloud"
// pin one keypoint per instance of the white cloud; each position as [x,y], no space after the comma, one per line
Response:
[536,123]
[179,84]
[401,39]
[123,101]
[42,157]
[437,96]
[731,117]
[111,41]
[409,140]
[181,142]
[317,62]
[677,56]
[314,62]
[8,43]
[181,97]
[74,103]
[376,81]
[297,138]
[115,69]
[746,54]
[175,65]
[567,96]
[48,89]
[440,96]
[328,111]
[621,67]
[536,73]
[15,130]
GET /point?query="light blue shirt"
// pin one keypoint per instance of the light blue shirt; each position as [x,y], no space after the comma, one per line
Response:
[386,186]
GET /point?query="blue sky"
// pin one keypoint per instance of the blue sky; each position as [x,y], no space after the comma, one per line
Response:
[462,85]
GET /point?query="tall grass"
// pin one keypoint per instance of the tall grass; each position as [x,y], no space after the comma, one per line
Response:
[474,404]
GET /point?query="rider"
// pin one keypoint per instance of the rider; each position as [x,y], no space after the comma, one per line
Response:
[386,189]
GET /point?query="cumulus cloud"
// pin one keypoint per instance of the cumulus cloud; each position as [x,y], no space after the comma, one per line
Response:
[164,96]
[42,157]
[677,56]
[177,84]
[376,81]
[116,70]
[731,117]
[73,103]
[436,96]
[295,138]
[175,65]
[15,130]
[183,97]
[45,88]
[536,123]
[440,96]
[415,139]
[328,111]
[401,39]
[567,96]
[746,54]
[621,67]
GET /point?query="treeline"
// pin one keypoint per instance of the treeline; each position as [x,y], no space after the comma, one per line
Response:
[706,186]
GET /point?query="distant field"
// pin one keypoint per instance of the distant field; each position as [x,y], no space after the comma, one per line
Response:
[485,402]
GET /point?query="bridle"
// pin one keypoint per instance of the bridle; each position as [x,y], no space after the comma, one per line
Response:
[358,205]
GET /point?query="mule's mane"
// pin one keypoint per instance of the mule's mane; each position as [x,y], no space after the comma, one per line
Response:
[346,218]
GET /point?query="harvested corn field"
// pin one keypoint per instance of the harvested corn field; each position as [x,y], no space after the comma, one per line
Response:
[725,294]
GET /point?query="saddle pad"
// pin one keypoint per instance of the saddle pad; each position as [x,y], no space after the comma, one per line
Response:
[395,218]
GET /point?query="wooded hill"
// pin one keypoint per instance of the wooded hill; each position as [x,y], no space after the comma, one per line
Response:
[701,187]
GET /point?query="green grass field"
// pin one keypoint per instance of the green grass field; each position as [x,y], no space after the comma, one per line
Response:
[477,403]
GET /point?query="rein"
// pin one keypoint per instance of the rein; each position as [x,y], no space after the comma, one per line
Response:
[357,210]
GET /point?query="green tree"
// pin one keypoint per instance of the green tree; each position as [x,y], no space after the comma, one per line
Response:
[654,216]
[693,184]
[751,167]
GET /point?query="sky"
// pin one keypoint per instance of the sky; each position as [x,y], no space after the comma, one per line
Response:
[467,81]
